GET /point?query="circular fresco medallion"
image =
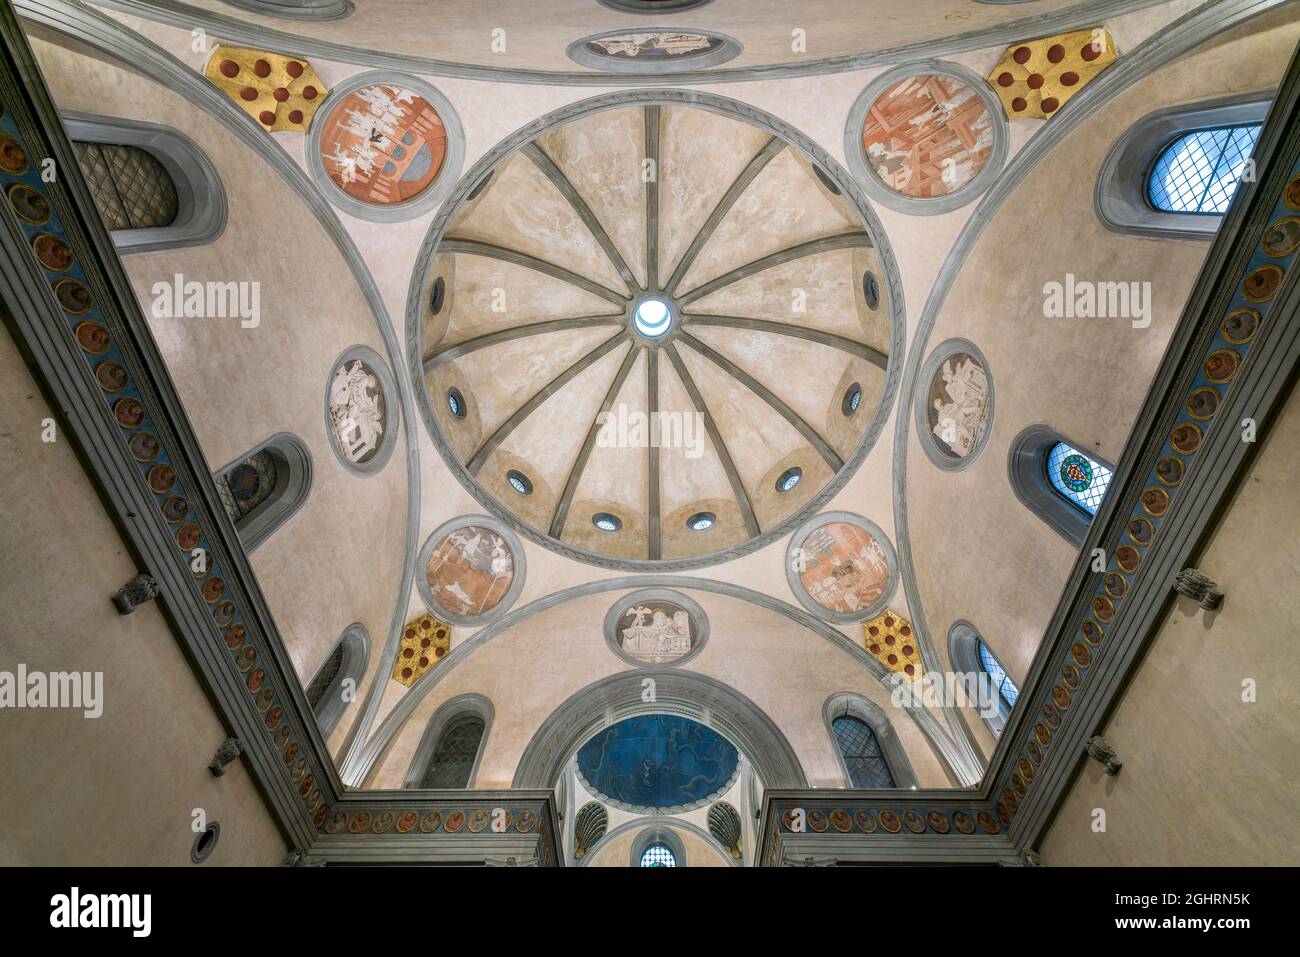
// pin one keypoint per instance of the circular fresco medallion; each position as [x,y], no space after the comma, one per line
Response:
[30,205]
[928,135]
[865,821]
[383,144]
[13,158]
[111,376]
[1283,237]
[470,570]
[656,627]
[653,51]
[92,337]
[358,402]
[52,252]
[1240,326]
[955,411]
[842,567]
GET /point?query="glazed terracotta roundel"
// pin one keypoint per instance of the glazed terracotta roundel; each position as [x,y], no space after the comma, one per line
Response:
[383,144]
[927,135]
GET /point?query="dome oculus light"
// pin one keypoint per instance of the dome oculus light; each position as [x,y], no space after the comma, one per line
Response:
[789,479]
[520,482]
[852,399]
[607,522]
[652,318]
[701,521]
[456,402]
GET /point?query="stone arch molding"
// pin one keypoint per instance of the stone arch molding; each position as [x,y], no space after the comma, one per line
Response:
[694,696]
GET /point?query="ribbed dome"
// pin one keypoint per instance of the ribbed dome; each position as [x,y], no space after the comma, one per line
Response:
[654,333]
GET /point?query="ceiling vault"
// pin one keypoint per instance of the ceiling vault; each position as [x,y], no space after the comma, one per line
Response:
[859,349]
[472,247]
[566,188]
[751,170]
[588,443]
[541,395]
[763,392]
[517,332]
[719,446]
[813,247]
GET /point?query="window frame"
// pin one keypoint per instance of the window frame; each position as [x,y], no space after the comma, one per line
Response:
[658,834]
[459,706]
[201,199]
[964,640]
[293,485]
[846,703]
[355,642]
[1027,473]
[1122,200]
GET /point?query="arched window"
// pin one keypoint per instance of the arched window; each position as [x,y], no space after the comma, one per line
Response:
[861,753]
[1058,482]
[342,670]
[1198,173]
[658,855]
[871,756]
[452,746]
[971,656]
[1174,172]
[154,188]
[262,488]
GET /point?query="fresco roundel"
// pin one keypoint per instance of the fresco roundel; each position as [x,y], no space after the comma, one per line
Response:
[656,627]
[658,762]
[361,411]
[383,144]
[955,411]
[842,567]
[928,135]
[470,570]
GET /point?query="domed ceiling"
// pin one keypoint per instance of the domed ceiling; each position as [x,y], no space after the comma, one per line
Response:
[655,333]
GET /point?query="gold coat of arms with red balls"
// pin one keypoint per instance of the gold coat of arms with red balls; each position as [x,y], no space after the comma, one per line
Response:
[890,641]
[425,642]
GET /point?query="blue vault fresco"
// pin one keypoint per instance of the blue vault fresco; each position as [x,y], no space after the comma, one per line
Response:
[657,761]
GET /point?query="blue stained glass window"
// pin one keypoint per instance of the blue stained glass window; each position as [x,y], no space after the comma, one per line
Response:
[862,754]
[1199,171]
[1001,680]
[658,855]
[1080,480]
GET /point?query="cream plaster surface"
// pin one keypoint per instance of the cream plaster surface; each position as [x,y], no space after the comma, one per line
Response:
[1208,728]
[120,788]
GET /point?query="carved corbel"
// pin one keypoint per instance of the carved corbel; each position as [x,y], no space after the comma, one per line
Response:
[227,752]
[1200,588]
[1100,750]
[140,589]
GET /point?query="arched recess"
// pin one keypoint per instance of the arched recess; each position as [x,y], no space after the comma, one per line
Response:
[690,695]
[1027,472]
[658,834]
[1122,199]
[964,644]
[265,486]
[847,704]
[346,662]
[200,198]
[457,714]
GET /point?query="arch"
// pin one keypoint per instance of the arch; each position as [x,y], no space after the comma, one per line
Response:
[695,696]
[658,835]
[1122,198]
[1027,470]
[296,9]
[282,472]
[846,704]
[347,661]
[458,714]
[968,652]
[200,198]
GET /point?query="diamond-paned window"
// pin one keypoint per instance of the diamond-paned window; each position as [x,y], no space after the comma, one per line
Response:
[1198,172]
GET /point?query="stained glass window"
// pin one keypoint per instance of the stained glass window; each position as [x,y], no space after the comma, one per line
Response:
[247,485]
[1001,680]
[453,758]
[862,754]
[1080,480]
[658,855]
[325,677]
[130,187]
[1199,171]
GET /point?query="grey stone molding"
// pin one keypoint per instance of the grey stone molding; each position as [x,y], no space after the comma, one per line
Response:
[792,563]
[237,30]
[517,556]
[651,8]
[699,622]
[728,48]
[861,167]
[296,9]
[920,403]
[1101,751]
[202,208]
[963,653]
[417,205]
[1120,198]
[874,235]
